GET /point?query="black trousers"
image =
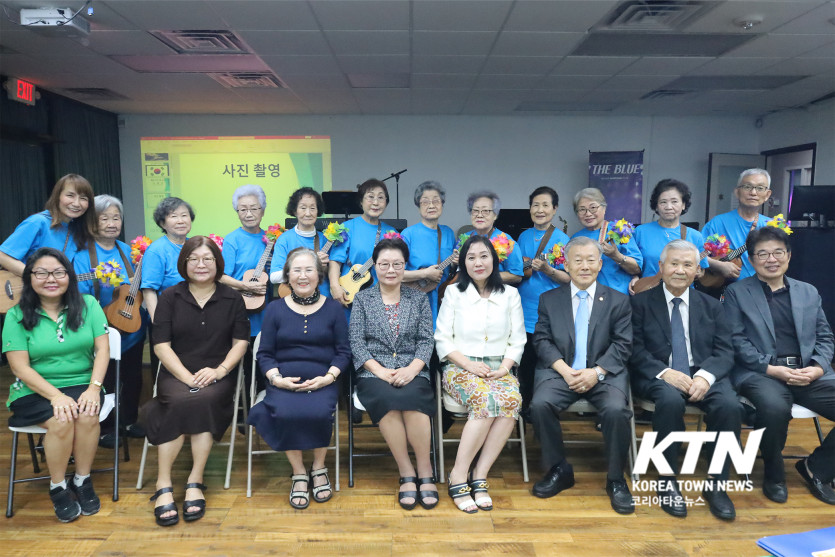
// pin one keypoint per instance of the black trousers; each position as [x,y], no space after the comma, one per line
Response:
[773,400]
[526,373]
[552,395]
[131,382]
[723,412]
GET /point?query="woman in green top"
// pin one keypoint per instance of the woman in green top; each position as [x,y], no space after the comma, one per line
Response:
[57,346]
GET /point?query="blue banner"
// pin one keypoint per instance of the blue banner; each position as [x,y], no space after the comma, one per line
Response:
[619,175]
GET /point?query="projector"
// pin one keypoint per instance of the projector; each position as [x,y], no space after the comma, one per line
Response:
[55,22]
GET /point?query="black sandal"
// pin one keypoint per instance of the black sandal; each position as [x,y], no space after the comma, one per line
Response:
[162,509]
[459,491]
[426,494]
[324,487]
[403,494]
[201,503]
[480,486]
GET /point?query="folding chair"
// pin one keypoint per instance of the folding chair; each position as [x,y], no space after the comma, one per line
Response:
[251,430]
[111,402]
[798,412]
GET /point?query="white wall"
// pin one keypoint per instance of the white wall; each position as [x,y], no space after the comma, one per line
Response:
[511,155]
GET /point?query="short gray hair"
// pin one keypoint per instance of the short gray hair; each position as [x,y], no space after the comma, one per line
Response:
[104,202]
[682,245]
[593,194]
[294,253]
[497,203]
[429,185]
[249,189]
[167,206]
[753,172]
[580,241]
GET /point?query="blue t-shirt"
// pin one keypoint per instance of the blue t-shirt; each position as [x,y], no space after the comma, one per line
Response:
[81,264]
[612,275]
[530,289]
[291,240]
[34,233]
[241,252]
[159,265]
[359,246]
[513,264]
[735,229]
[651,239]
[423,252]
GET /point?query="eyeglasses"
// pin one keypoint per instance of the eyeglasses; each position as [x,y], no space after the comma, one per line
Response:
[203,260]
[245,210]
[481,212]
[43,274]
[429,202]
[778,254]
[385,265]
[749,187]
[372,198]
[590,210]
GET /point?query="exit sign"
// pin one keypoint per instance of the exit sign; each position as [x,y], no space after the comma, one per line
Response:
[21,91]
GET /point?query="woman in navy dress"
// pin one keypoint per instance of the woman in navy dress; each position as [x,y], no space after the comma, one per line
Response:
[304,349]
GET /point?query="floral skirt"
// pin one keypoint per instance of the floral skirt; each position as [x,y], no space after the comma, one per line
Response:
[484,398]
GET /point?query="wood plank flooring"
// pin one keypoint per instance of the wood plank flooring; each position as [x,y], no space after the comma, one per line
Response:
[366,519]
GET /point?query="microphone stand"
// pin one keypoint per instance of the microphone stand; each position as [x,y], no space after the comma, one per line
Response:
[396,176]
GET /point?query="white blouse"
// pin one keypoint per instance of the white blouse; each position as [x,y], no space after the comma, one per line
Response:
[477,326]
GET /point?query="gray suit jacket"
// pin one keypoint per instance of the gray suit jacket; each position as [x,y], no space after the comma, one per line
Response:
[610,332]
[371,336]
[752,329]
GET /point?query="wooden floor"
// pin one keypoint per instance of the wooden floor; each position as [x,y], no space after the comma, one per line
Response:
[366,520]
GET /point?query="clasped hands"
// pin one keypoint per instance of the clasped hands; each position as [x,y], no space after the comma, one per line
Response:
[580,380]
[480,369]
[695,387]
[65,409]
[399,377]
[207,376]
[800,377]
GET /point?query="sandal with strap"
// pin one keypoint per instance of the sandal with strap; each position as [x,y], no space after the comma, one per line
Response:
[201,503]
[459,492]
[427,494]
[168,507]
[304,495]
[483,502]
[404,494]
[324,487]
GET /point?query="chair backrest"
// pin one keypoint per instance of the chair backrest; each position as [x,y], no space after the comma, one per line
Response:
[115,343]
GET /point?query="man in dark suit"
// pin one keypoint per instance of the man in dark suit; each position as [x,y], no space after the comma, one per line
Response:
[682,353]
[582,340]
[784,348]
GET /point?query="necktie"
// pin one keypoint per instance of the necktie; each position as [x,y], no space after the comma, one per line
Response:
[680,360]
[581,331]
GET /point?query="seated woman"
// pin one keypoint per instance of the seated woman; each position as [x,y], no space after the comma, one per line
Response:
[304,349]
[391,338]
[480,336]
[201,331]
[57,346]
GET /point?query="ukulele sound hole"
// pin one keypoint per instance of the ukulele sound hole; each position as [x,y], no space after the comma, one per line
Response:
[130,300]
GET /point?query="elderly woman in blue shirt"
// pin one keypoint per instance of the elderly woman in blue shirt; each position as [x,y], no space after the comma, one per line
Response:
[484,207]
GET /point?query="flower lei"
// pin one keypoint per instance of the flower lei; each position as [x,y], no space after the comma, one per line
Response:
[556,256]
[503,245]
[137,248]
[109,273]
[717,246]
[392,236]
[780,222]
[272,233]
[217,239]
[621,232]
[336,233]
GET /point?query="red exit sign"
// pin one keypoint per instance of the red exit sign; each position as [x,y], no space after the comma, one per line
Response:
[21,91]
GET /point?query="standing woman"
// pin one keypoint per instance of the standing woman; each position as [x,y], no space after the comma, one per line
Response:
[543,204]
[106,247]
[200,334]
[484,207]
[304,349]
[480,337]
[391,338]
[67,224]
[57,346]
[622,262]
[306,205]
[364,232]
[429,243]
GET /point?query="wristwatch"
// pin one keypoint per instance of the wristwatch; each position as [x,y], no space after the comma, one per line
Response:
[600,375]
[96,383]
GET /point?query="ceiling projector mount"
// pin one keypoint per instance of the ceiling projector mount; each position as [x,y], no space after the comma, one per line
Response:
[55,22]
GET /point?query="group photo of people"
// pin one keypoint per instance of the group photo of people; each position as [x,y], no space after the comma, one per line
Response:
[511,328]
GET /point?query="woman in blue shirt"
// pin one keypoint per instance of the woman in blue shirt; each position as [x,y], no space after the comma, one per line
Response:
[364,232]
[622,262]
[66,224]
[109,213]
[484,207]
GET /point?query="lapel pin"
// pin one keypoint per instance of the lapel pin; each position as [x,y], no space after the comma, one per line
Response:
[600,298]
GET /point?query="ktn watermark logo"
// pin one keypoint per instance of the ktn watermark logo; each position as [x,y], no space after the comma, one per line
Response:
[726,446]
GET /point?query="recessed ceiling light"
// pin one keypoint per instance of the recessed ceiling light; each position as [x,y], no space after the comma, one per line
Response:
[749,22]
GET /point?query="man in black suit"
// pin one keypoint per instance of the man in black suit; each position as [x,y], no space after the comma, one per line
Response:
[682,353]
[582,340]
[784,348]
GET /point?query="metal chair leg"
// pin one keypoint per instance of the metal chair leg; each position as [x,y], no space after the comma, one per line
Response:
[10,499]
[35,465]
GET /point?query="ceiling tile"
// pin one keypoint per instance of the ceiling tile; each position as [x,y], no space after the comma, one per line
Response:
[801,66]
[672,65]
[168,14]
[637,82]
[461,15]
[286,42]
[529,65]
[557,15]
[785,45]
[438,101]
[268,16]
[383,15]
[578,82]
[515,43]
[443,81]
[507,82]
[374,64]
[733,66]
[302,64]
[814,21]
[592,65]
[826,51]
[447,64]
[447,43]
[772,14]
[26,41]
[316,81]
[127,42]
[368,42]
[384,101]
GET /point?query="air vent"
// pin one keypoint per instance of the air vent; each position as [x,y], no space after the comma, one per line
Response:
[654,15]
[248,80]
[203,42]
[664,94]
[94,94]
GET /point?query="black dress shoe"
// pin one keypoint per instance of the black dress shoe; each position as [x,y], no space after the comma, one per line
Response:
[672,502]
[816,486]
[776,491]
[558,478]
[720,504]
[620,497]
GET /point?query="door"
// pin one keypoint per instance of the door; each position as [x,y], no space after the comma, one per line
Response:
[725,169]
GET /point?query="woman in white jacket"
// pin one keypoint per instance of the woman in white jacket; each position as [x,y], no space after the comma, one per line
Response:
[479,338]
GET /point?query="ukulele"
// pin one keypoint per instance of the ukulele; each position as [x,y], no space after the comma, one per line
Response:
[527,264]
[13,284]
[123,312]
[357,277]
[284,288]
[256,302]
[426,285]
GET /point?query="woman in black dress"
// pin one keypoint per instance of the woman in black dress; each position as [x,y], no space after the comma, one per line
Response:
[304,349]
[201,331]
